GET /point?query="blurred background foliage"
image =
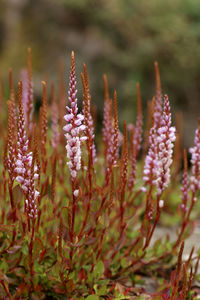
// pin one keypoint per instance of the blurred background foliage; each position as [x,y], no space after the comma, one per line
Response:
[121,38]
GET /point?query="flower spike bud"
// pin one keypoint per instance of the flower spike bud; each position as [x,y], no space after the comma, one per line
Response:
[158,98]
[12,91]
[24,78]
[11,143]
[132,176]
[13,104]
[1,96]
[124,160]
[113,142]
[54,119]
[74,126]
[107,118]
[157,73]
[44,114]
[195,162]
[106,90]
[43,124]
[138,128]
[149,124]
[30,92]
[116,131]
[185,184]
[88,120]
[136,138]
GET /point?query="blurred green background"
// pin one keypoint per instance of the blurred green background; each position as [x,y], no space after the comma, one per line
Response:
[121,38]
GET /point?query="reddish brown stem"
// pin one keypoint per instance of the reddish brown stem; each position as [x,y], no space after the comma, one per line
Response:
[149,236]
[185,222]
[12,201]
[31,262]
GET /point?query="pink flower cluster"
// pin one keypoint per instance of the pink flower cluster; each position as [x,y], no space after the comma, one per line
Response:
[31,202]
[195,161]
[24,160]
[166,137]
[165,140]
[151,161]
[23,169]
[74,126]
[159,158]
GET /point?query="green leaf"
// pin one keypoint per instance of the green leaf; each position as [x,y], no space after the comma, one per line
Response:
[133,234]
[90,277]
[92,297]
[4,266]
[124,262]
[38,268]
[99,269]
[103,291]
[25,249]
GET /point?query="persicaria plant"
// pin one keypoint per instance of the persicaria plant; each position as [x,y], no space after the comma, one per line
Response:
[78,217]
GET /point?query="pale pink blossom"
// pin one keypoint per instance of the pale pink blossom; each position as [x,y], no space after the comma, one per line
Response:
[74,126]
[24,174]
[165,138]
[195,162]
[159,157]
[151,161]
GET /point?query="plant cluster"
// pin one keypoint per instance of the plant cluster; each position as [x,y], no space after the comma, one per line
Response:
[78,214]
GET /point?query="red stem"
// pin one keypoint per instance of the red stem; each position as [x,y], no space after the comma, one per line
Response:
[6,289]
[12,201]
[90,167]
[149,236]
[31,263]
[185,222]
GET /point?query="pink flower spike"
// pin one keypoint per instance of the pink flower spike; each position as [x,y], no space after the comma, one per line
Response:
[151,160]
[159,157]
[74,126]
[25,172]
[166,137]
[195,162]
